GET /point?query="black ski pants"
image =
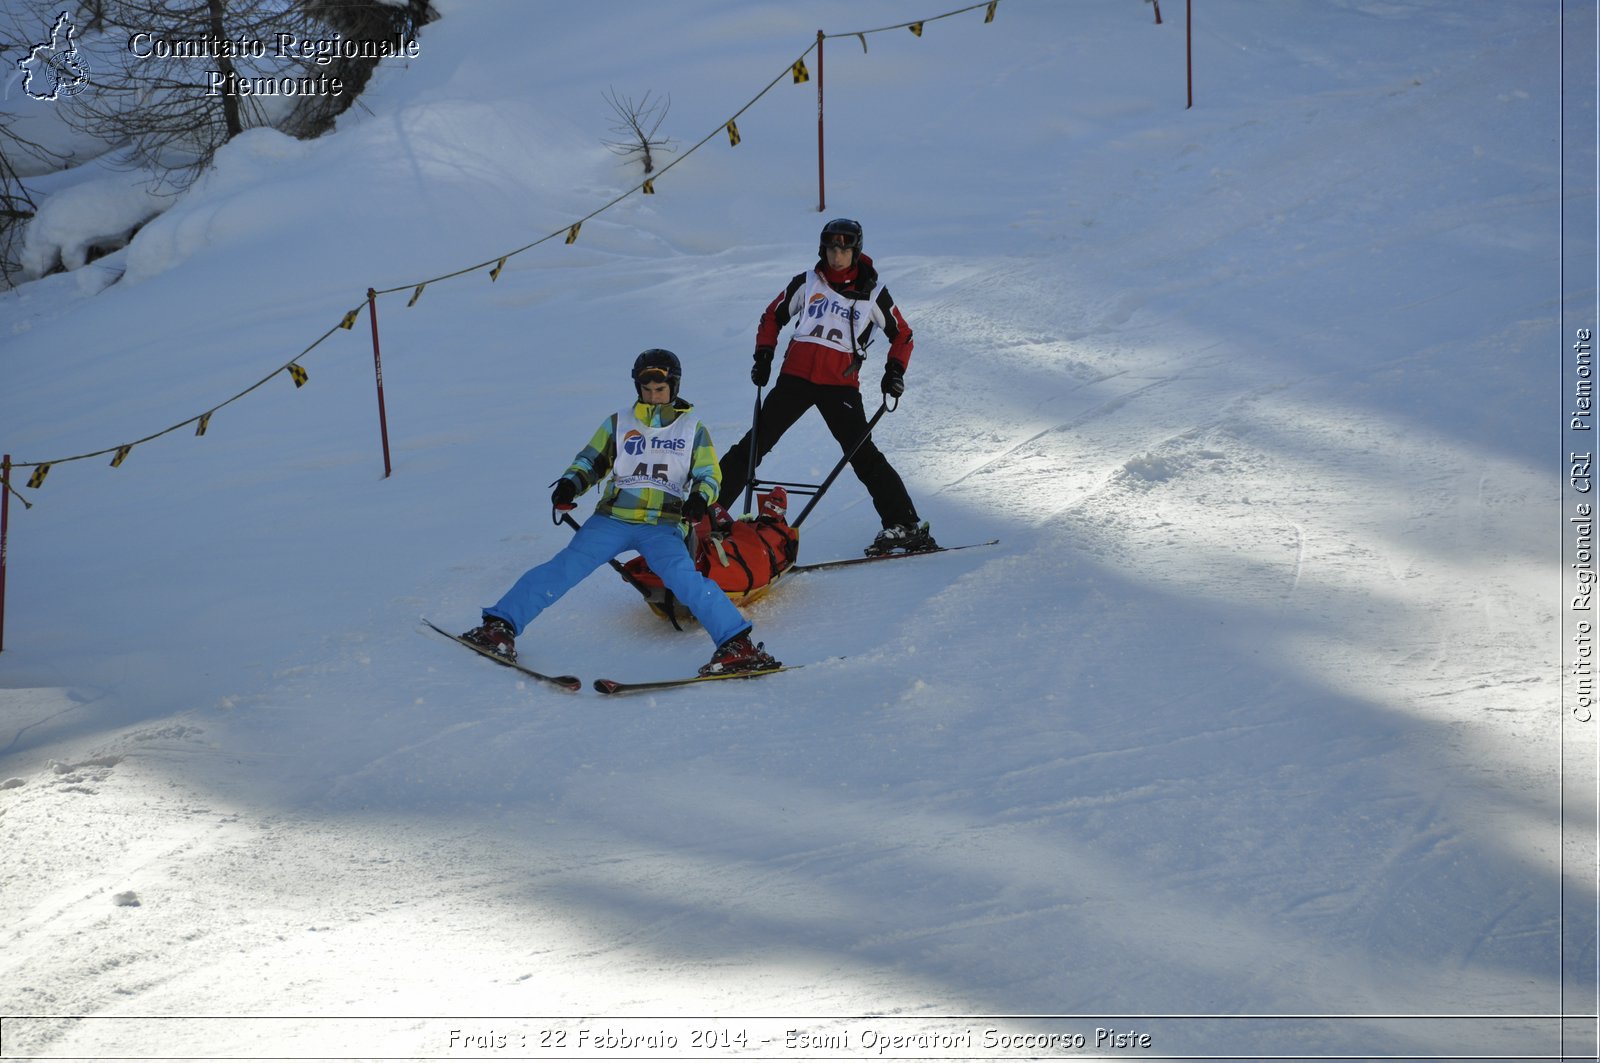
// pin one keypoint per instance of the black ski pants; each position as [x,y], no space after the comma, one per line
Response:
[842,410]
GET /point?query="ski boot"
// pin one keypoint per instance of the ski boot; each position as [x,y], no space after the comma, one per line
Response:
[739,654]
[496,636]
[905,538]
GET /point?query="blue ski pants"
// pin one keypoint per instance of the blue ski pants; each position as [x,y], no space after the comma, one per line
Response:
[596,543]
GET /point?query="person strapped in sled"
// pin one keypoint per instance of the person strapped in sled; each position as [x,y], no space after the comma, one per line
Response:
[835,307]
[659,467]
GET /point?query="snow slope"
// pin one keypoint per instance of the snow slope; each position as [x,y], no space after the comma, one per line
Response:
[1249,736]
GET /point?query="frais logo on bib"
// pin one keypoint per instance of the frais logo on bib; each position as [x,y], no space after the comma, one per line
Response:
[821,305]
[635,443]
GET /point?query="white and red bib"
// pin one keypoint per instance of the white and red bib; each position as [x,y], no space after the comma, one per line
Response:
[825,317]
[659,458]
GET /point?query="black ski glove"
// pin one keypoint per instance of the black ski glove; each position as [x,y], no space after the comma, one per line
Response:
[761,372]
[894,379]
[565,491]
[694,507]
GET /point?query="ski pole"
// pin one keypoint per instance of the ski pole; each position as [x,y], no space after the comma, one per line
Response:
[883,408]
[755,442]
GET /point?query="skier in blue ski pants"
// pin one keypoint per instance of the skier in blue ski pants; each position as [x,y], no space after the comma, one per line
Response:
[599,540]
[659,469]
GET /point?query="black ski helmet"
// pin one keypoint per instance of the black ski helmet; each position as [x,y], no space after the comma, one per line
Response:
[661,361]
[850,230]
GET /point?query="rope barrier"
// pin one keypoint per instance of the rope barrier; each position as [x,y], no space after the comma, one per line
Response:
[916,25]
[41,469]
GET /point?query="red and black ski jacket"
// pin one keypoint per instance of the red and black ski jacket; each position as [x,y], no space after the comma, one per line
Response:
[834,316]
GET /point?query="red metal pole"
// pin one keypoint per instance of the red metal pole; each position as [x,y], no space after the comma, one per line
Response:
[822,196]
[5,535]
[377,367]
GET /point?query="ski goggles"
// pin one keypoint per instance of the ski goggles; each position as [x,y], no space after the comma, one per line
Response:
[844,240]
[652,374]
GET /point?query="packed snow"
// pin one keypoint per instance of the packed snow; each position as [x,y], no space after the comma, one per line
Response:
[1248,739]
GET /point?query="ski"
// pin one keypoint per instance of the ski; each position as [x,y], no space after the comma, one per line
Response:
[564,682]
[612,686]
[842,562]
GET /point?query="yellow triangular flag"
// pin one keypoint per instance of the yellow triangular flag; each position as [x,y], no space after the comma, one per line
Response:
[915,28]
[37,479]
[205,422]
[801,74]
[733,132]
[297,374]
[122,452]
[417,294]
[572,233]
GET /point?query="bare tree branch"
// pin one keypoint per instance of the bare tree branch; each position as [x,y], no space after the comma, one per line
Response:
[637,124]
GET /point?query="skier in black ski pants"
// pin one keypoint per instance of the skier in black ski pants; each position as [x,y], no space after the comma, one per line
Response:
[835,307]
